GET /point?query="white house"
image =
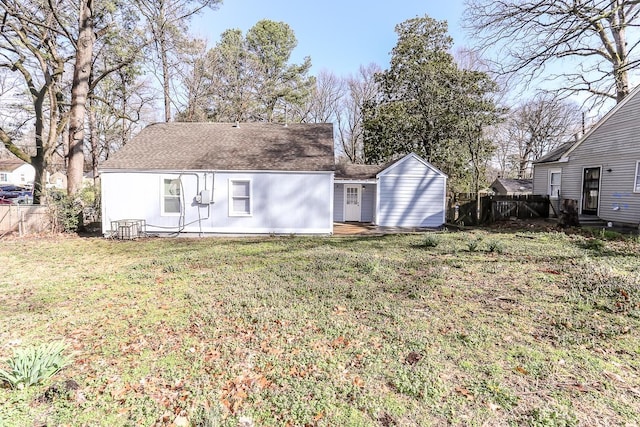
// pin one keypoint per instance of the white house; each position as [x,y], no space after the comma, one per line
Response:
[223,178]
[259,178]
[16,172]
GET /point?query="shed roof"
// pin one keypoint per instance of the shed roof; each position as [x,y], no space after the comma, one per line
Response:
[514,185]
[357,171]
[225,146]
[351,171]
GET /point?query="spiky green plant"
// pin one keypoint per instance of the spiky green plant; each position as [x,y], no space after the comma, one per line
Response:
[29,366]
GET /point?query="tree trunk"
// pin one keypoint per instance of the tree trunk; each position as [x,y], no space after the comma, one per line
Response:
[93,138]
[79,94]
[164,58]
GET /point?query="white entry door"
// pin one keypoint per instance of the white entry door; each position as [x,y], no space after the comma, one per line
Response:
[352,203]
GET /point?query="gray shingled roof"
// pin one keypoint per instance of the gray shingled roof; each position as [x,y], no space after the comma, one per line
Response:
[10,165]
[223,146]
[355,171]
[515,185]
[555,155]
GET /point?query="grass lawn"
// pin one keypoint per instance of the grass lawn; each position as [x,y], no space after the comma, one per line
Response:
[461,328]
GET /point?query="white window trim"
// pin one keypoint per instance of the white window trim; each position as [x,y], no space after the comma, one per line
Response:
[636,181]
[551,172]
[162,196]
[231,197]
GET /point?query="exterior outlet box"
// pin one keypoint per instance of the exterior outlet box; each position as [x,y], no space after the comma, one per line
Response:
[204,197]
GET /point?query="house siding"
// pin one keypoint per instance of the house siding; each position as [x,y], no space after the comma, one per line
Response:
[541,179]
[338,203]
[614,145]
[541,184]
[411,194]
[281,202]
[368,202]
[24,174]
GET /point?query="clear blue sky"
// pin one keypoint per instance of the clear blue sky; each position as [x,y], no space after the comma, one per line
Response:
[338,35]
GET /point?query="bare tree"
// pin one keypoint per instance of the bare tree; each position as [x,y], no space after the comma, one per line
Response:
[117,106]
[32,48]
[325,102]
[535,128]
[80,94]
[195,83]
[167,22]
[90,27]
[361,88]
[530,37]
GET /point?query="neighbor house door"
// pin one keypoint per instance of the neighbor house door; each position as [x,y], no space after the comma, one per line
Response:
[352,203]
[590,191]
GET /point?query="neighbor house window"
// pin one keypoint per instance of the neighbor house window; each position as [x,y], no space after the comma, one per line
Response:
[171,196]
[636,184]
[240,203]
[555,177]
[4,177]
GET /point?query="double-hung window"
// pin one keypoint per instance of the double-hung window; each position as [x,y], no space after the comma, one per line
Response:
[240,203]
[636,183]
[555,178]
[171,195]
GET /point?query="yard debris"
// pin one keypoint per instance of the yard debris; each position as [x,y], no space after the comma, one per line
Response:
[413,358]
[386,420]
[181,421]
[245,422]
[65,389]
[339,309]
[463,391]
[582,388]
[493,407]
[614,377]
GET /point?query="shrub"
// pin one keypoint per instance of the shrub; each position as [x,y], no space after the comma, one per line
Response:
[594,244]
[610,235]
[496,246]
[67,213]
[473,244]
[431,241]
[64,211]
[32,365]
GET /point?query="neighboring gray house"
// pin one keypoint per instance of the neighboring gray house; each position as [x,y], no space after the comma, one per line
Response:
[409,192]
[512,187]
[601,170]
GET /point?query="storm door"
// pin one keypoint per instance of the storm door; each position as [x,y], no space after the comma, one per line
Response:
[590,191]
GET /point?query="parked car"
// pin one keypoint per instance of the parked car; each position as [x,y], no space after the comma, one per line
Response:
[15,194]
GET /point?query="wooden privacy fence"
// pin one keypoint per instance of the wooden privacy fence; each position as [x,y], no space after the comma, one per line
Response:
[463,212]
[488,209]
[500,208]
[24,219]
